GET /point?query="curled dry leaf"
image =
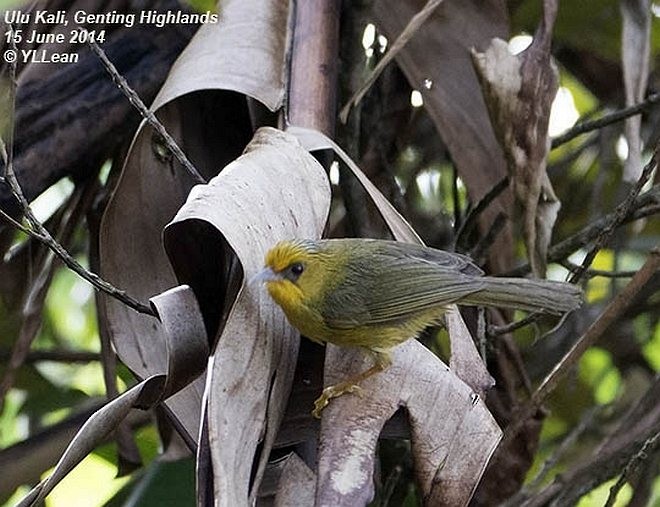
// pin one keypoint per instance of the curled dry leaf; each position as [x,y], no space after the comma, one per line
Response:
[132,257]
[636,49]
[452,432]
[449,472]
[243,52]
[181,330]
[519,91]
[276,190]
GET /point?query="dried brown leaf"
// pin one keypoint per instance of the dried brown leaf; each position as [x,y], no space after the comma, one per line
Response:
[453,433]
[276,190]
[519,91]
[132,257]
[243,52]
[182,331]
[297,484]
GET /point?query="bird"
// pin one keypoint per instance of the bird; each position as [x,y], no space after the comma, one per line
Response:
[376,294]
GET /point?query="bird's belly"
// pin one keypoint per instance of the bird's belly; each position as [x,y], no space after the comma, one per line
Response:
[383,336]
[312,325]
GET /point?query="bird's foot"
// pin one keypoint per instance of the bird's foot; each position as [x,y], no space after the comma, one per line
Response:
[334,392]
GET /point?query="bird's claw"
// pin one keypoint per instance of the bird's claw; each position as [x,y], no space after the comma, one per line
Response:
[333,392]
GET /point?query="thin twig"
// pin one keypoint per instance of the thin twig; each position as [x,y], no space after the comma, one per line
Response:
[620,213]
[480,250]
[613,311]
[646,204]
[68,218]
[39,232]
[584,423]
[608,119]
[471,219]
[148,115]
[574,483]
[411,28]
[631,466]
[60,356]
[571,266]
[16,223]
[554,329]
[513,326]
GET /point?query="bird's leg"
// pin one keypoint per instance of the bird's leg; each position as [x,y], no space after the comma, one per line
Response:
[382,361]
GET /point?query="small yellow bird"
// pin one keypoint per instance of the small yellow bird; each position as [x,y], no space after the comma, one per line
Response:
[376,294]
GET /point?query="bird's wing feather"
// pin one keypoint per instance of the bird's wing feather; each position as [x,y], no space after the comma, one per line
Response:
[395,286]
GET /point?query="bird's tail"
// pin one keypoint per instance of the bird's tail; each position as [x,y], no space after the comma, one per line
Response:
[524,294]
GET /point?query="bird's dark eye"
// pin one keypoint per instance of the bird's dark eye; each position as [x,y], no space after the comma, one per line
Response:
[293,271]
[297,269]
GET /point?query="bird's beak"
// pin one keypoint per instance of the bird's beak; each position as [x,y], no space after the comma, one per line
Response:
[265,275]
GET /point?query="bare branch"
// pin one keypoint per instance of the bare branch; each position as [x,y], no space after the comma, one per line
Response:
[583,424]
[59,356]
[407,33]
[571,266]
[604,121]
[619,215]
[631,466]
[613,311]
[148,115]
[37,230]
[646,204]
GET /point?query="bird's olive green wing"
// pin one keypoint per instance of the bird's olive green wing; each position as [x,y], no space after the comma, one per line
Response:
[386,288]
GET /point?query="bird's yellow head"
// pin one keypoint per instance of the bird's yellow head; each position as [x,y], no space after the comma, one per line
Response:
[296,273]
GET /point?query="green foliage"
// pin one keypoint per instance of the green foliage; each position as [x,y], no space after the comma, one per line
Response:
[202,5]
[9,4]
[93,482]
[598,371]
[590,25]
[651,348]
[161,483]
[598,496]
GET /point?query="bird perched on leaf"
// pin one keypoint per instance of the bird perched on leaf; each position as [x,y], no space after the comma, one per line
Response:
[376,294]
